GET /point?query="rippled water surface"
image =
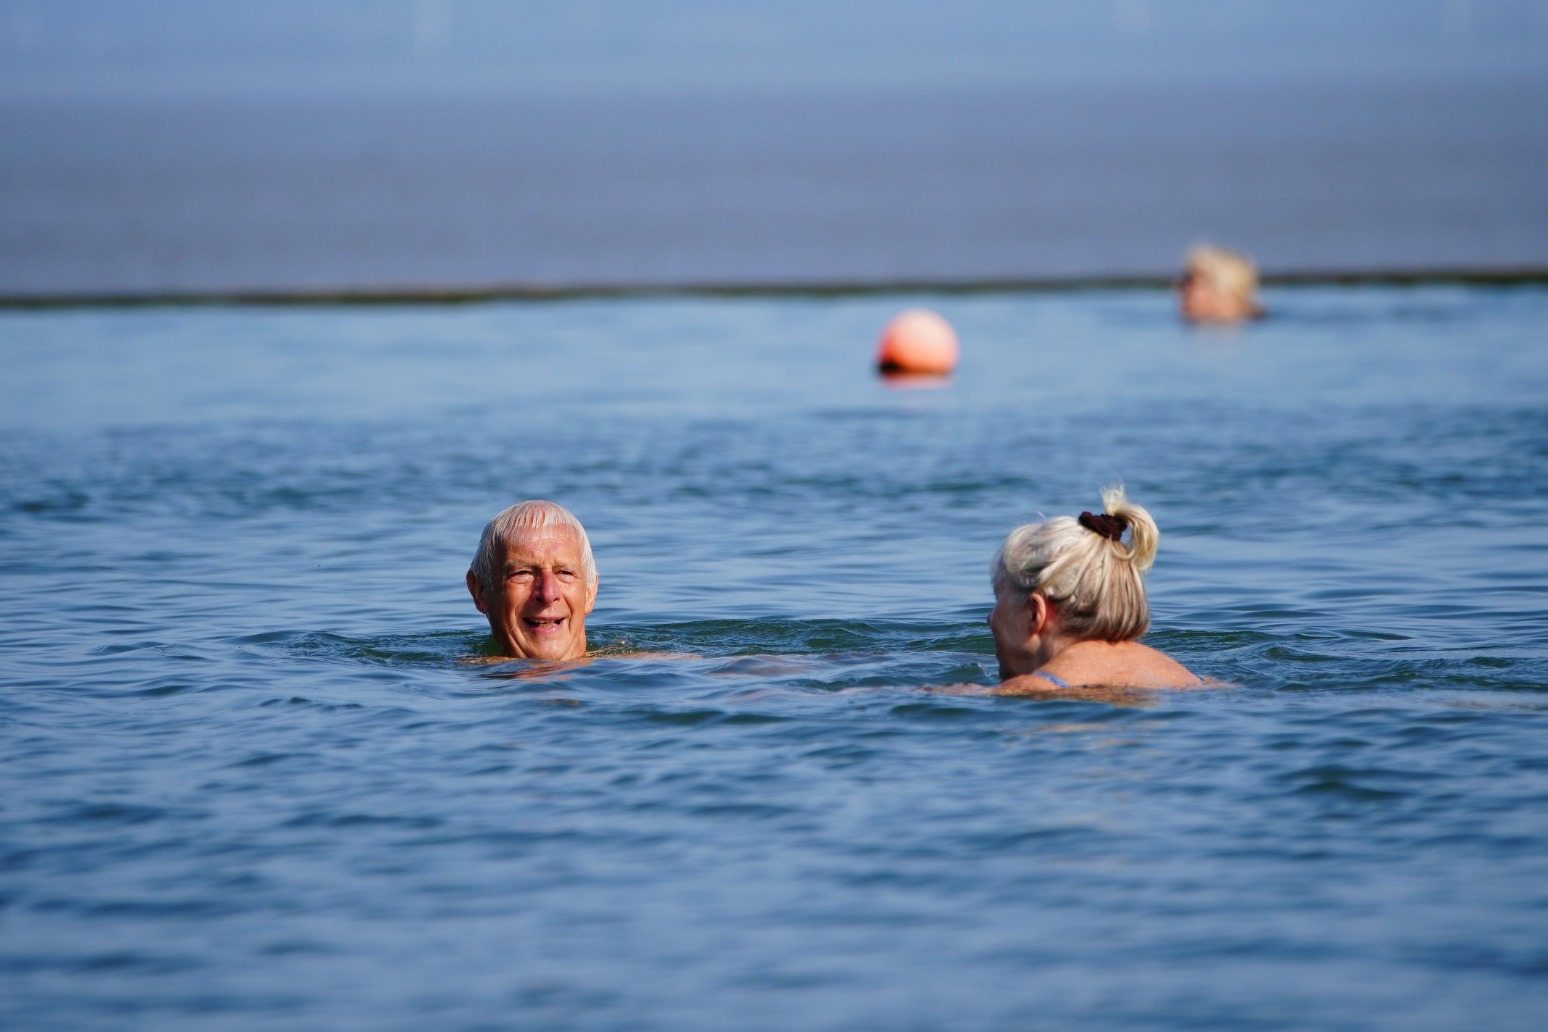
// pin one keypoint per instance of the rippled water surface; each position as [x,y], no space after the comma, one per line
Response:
[248,779]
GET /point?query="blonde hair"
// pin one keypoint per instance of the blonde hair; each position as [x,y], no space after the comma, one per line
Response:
[1229,272]
[529,515]
[1096,583]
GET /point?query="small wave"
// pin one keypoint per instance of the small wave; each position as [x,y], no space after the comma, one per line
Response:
[432,649]
[1354,783]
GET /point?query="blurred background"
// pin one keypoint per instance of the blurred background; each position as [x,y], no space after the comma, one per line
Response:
[179,146]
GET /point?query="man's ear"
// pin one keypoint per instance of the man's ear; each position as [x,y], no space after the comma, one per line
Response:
[477,591]
[591,597]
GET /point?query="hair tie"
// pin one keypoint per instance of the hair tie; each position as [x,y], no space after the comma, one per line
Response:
[1110,527]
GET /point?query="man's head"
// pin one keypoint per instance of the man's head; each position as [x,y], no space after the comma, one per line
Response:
[534,578]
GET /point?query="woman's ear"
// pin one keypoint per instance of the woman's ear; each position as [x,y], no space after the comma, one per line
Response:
[1037,619]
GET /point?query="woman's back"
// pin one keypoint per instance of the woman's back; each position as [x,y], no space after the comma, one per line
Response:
[1125,664]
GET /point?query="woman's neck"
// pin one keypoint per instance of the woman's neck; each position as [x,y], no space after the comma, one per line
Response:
[1052,642]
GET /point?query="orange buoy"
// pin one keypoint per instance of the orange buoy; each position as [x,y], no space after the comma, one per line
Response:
[917,341]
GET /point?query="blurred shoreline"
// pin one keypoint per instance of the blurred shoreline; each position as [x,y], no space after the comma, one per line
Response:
[1483,277]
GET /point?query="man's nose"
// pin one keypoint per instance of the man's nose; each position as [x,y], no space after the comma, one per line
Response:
[547,585]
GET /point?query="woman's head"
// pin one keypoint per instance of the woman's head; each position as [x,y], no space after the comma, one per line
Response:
[1218,285]
[1083,568]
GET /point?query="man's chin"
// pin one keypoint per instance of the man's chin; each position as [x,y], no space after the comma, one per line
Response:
[555,655]
[549,651]
[547,641]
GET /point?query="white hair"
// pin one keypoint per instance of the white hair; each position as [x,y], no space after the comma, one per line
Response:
[526,516]
[1229,272]
[1095,582]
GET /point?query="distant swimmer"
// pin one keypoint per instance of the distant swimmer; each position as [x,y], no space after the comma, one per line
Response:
[1069,604]
[1218,286]
[535,580]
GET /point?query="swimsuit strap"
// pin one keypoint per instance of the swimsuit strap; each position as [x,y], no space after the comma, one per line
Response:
[1058,682]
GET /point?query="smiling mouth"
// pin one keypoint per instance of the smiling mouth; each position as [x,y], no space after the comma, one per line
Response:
[542,625]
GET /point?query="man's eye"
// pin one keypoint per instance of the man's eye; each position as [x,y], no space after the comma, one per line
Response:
[567,574]
[518,574]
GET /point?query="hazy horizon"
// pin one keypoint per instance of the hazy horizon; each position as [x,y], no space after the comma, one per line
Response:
[97,48]
[174,145]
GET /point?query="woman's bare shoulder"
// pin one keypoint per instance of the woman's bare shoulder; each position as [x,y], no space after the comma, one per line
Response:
[1105,665]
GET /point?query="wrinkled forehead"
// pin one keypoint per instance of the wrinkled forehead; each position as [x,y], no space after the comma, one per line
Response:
[557,542]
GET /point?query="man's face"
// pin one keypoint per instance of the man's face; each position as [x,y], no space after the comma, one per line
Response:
[539,598]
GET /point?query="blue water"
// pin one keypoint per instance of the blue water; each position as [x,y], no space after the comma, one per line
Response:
[247,779]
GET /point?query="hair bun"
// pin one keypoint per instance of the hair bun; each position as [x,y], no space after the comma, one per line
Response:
[1110,527]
